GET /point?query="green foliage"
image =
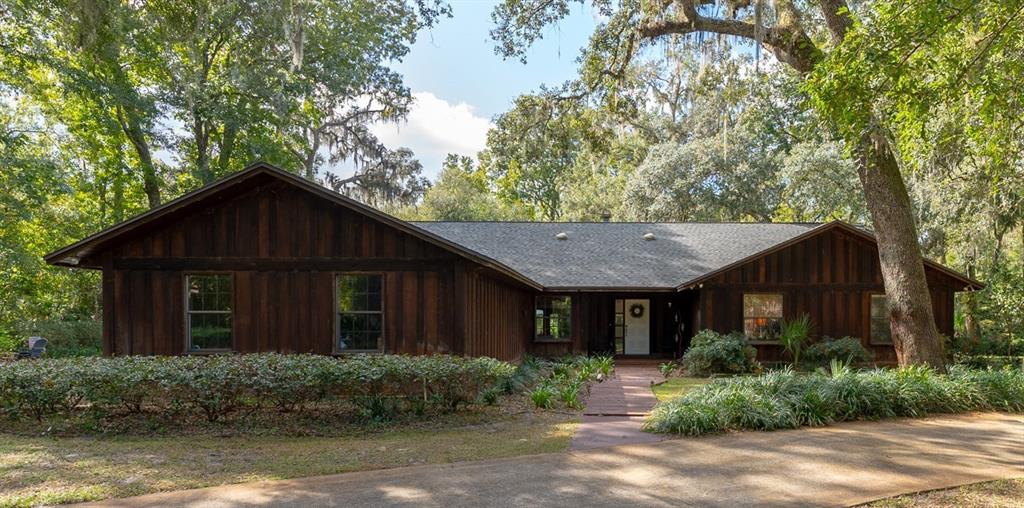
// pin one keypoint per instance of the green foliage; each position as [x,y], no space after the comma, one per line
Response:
[66,338]
[793,334]
[542,397]
[713,353]
[667,368]
[845,349]
[461,193]
[215,387]
[786,399]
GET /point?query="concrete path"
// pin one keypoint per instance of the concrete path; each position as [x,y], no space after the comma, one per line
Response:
[616,408]
[830,466]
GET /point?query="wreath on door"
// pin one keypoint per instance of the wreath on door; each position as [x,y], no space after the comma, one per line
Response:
[636,310]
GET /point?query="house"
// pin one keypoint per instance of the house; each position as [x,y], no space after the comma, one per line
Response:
[266,261]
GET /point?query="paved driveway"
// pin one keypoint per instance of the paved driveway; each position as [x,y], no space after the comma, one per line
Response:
[832,466]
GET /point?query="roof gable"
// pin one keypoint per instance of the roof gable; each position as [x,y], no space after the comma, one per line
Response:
[550,256]
[255,174]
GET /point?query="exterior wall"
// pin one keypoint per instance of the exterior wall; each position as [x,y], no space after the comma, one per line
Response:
[498,317]
[829,277]
[283,248]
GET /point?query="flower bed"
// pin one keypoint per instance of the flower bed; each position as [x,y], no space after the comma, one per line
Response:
[785,399]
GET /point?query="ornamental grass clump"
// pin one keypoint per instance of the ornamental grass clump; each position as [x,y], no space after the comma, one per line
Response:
[786,399]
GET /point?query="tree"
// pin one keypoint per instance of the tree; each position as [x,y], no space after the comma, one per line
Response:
[393,180]
[461,193]
[702,180]
[791,39]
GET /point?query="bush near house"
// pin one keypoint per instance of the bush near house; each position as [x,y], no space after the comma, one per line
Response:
[846,349]
[713,353]
[785,399]
[216,387]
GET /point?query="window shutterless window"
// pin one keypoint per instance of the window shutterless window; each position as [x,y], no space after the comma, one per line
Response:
[360,305]
[553,318]
[762,315]
[208,312]
[881,332]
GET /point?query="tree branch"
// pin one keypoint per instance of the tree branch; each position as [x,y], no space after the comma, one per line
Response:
[789,44]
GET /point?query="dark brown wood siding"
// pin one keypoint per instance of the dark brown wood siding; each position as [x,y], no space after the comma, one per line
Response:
[829,277]
[283,248]
[498,317]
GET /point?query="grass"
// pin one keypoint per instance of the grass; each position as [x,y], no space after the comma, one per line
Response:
[996,494]
[676,386]
[52,470]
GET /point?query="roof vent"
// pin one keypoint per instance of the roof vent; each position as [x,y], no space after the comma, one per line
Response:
[648,236]
[562,236]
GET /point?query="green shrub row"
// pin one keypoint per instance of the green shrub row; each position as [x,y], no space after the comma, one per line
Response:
[216,386]
[785,399]
[846,349]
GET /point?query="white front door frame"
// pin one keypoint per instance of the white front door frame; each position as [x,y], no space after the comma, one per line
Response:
[638,329]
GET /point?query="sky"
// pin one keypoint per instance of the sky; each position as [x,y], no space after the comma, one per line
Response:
[460,84]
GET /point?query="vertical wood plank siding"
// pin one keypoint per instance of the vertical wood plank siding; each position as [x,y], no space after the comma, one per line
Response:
[283,248]
[829,277]
[498,317]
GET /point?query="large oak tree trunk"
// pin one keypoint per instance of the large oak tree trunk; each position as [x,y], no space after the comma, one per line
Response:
[914,333]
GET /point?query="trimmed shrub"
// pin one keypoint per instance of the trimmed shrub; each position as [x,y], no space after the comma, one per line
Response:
[214,387]
[786,399]
[713,353]
[846,349]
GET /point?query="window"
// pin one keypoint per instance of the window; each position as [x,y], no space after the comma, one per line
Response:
[553,318]
[620,326]
[762,316]
[209,312]
[881,333]
[360,313]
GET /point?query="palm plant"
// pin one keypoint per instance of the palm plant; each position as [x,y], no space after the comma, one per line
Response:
[793,334]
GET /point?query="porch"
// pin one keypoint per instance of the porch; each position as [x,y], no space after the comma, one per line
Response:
[639,328]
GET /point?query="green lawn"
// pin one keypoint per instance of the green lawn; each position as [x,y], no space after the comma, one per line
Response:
[676,386]
[997,494]
[52,470]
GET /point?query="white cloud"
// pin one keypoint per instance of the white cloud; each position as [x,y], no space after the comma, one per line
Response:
[435,128]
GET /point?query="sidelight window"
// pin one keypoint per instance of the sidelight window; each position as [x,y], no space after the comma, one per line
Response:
[553,318]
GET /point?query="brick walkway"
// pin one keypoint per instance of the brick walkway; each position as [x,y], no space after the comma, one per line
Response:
[616,409]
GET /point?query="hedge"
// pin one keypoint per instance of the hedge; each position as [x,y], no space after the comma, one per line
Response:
[216,386]
[786,399]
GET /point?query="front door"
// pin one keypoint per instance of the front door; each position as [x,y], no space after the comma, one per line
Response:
[638,327]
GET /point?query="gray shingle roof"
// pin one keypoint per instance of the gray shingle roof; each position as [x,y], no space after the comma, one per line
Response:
[615,255]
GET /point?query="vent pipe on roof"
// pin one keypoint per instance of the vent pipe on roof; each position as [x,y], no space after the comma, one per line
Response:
[562,236]
[606,216]
[648,236]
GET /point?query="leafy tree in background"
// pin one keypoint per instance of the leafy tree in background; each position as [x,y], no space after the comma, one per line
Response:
[859,69]
[110,108]
[461,193]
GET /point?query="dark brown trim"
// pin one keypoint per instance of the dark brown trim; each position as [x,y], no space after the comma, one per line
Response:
[281,264]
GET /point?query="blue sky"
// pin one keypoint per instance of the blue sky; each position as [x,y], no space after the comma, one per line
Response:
[460,84]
